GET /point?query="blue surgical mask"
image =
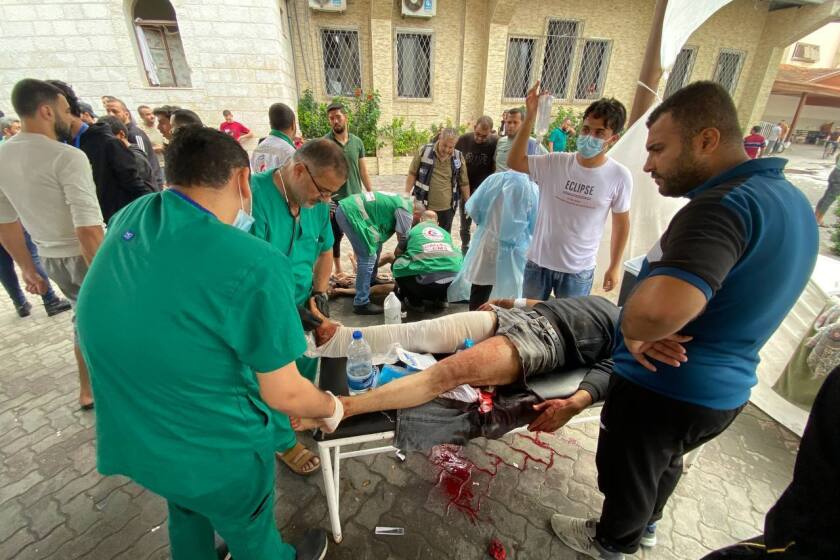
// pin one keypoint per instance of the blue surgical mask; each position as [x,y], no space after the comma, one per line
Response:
[589,146]
[243,220]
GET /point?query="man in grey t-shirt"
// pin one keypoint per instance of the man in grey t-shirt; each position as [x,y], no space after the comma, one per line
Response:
[47,186]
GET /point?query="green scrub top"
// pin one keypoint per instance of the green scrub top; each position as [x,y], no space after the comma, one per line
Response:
[176,313]
[302,240]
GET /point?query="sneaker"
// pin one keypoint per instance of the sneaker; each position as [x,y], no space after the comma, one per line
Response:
[649,536]
[24,310]
[368,309]
[579,535]
[313,545]
[57,306]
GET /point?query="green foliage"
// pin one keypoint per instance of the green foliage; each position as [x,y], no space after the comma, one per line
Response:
[562,114]
[406,140]
[835,235]
[437,127]
[362,117]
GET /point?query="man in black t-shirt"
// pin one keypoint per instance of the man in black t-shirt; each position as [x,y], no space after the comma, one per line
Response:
[479,150]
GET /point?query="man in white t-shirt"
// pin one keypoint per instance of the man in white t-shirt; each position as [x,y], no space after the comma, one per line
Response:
[276,148]
[577,191]
[47,186]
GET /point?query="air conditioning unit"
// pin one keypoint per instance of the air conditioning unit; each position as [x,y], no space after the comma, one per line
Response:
[328,5]
[419,8]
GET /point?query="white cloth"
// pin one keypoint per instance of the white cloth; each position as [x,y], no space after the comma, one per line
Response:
[49,186]
[775,132]
[574,203]
[481,269]
[273,152]
[503,149]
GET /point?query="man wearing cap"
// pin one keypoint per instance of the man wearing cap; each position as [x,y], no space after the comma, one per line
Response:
[87,115]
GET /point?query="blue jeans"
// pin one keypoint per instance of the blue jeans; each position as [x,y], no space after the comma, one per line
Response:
[9,279]
[365,260]
[539,282]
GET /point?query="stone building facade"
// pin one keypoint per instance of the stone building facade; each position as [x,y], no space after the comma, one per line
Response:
[244,55]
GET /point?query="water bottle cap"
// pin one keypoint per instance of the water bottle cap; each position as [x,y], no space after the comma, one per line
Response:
[469,343]
[357,335]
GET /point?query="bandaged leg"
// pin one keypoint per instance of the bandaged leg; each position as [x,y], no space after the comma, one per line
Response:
[443,335]
[495,361]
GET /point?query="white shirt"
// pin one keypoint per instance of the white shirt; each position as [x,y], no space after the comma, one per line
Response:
[49,186]
[775,132]
[574,203]
[273,152]
[481,269]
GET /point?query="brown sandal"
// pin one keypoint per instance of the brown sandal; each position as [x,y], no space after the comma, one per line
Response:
[300,460]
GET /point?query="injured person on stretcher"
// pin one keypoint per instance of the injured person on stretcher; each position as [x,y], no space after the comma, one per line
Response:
[514,347]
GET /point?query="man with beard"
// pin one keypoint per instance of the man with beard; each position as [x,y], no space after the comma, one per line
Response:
[163,114]
[724,275]
[47,186]
[357,174]
[116,108]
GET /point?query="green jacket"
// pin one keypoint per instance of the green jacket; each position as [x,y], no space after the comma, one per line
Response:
[429,250]
[373,215]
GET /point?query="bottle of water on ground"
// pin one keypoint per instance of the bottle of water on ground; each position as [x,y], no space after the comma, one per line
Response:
[360,371]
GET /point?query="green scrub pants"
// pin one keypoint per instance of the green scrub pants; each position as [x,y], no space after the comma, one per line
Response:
[241,511]
[284,436]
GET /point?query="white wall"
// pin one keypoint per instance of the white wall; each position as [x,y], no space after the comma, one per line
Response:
[828,38]
[783,107]
[239,52]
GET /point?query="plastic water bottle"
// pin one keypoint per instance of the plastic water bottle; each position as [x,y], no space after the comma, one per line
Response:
[393,310]
[360,372]
[543,119]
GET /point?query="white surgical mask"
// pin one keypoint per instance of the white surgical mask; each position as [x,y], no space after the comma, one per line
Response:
[588,146]
[244,220]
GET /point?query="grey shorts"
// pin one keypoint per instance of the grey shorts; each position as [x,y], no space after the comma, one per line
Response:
[540,349]
[68,274]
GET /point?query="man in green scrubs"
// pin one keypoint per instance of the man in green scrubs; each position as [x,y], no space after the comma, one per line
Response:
[293,218]
[180,308]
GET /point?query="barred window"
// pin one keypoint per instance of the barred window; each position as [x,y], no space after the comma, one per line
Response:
[559,57]
[414,65]
[681,71]
[593,69]
[342,71]
[159,42]
[728,69]
[520,61]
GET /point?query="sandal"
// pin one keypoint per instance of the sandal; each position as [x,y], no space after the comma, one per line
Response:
[300,460]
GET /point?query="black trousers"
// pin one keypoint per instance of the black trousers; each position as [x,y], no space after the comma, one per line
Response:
[479,295]
[756,549]
[417,293]
[643,438]
[466,224]
[338,235]
[445,218]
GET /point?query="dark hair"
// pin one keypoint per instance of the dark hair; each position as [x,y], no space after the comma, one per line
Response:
[120,101]
[226,112]
[165,110]
[142,107]
[281,116]
[611,110]
[336,107]
[70,95]
[29,94]
[203,157]
[321,154]
[185,117]
[116,125]
[517,111]
[701,105]
[756,129]
[485,121]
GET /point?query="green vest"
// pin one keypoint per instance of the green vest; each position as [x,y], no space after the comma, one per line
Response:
[429,250]
[372,215]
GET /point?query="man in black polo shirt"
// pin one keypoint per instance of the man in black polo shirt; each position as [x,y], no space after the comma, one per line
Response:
[479,150]
[721,279]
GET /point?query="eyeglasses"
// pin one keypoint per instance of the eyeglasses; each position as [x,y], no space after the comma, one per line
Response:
[323,192]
